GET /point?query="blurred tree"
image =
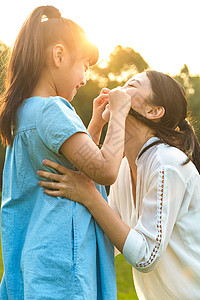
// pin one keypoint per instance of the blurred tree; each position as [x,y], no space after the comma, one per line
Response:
[123,63]
[191,84]
[5,52]
[120,60]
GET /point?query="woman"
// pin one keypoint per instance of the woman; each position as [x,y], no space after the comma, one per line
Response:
[154,219]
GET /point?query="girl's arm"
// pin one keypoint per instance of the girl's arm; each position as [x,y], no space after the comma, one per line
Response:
[102,166]
[75,185]
[97,122]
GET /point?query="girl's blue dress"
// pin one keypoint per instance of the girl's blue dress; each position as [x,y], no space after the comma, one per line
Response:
[52,247]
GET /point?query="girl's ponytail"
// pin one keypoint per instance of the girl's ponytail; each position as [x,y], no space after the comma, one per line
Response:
[24,68]
[28,52]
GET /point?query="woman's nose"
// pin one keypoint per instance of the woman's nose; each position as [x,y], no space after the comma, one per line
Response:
[83,81]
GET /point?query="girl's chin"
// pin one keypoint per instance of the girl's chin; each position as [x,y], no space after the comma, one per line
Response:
[106,115]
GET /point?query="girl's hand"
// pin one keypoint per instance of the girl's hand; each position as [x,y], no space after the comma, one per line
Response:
[99,105]
[97,122]
[119,102]
[73,185]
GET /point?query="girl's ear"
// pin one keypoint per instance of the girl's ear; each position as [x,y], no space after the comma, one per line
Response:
[58,54]
[156,112]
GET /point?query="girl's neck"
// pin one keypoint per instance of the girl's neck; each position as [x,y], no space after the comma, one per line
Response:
[45,86]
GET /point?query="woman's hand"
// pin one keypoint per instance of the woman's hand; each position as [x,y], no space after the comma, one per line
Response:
[71,184]
[78,187]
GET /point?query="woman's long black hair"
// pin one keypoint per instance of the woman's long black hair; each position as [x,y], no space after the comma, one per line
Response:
[173,129]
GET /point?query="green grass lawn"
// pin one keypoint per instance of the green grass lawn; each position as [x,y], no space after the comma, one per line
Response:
[125,284]
[1,264]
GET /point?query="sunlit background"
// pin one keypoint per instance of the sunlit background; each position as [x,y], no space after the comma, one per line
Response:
[164,32]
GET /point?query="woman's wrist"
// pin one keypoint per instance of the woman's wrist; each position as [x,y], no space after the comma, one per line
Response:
[92,198]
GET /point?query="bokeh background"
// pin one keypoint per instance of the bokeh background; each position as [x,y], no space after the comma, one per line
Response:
[132,36]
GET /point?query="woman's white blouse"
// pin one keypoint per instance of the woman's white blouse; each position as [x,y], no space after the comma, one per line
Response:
[163,245]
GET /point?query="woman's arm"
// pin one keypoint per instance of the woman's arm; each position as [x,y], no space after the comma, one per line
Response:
[76,186]
[144,245]
[101,165]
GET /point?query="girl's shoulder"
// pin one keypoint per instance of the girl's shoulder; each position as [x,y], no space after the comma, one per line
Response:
[39,102]
[35,112]
[38,107]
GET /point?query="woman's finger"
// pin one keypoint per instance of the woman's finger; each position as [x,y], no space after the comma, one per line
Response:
[67,192]
[50,185]
[56,166]
[48,175]
[53,193]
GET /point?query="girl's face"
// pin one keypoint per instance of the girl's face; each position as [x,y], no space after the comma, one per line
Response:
[70,76]
[139,88]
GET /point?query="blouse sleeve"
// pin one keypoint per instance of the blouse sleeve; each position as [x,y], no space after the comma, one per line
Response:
[113,197]
[146,243]
[56,122]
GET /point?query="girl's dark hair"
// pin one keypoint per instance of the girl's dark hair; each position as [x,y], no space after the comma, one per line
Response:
[173,128]
[43,28]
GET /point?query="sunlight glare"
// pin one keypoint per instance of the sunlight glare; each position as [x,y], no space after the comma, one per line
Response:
[155,29]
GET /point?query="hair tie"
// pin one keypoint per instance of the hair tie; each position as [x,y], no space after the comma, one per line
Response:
[183,125]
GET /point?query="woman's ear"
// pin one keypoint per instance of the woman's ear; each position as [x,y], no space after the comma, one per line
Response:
[156,112]
[58,54]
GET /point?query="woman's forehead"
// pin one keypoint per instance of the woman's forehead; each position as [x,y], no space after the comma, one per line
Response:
[143,83]
[140,78]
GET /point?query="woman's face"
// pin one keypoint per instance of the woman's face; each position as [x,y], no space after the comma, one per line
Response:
[139,88]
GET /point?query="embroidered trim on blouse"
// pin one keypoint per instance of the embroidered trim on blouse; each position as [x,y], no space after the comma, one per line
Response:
[159,223]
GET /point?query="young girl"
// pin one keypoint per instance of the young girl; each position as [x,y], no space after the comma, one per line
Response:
[54,249]
[154,219]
